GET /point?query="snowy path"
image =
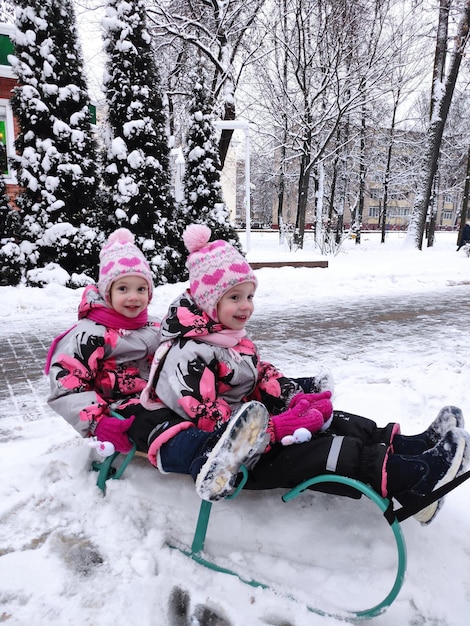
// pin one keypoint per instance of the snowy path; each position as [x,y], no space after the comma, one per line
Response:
[70,557]
[367,323]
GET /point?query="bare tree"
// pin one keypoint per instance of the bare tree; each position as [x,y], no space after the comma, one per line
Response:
[410,56]
[442,93]
[216,29]
[335,54]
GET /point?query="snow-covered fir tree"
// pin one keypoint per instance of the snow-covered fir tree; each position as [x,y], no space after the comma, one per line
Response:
[136,169]
[203,197]
[56,150]
[7,221]
[10,254]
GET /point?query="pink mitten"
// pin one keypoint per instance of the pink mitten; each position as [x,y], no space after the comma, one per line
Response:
[302,415]
[114,430]
[320,401]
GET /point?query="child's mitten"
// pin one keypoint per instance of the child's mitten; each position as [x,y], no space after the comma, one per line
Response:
[114,430]
[320,401]
[302,415]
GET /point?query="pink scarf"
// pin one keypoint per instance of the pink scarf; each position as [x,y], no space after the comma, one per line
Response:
[111,319]
[108,317]
[225,338]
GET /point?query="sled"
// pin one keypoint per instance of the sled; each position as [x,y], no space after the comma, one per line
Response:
[392,516]
[197,546]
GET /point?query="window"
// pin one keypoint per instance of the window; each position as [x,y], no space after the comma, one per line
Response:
[7,138]
[374,211]
[6,48]
[376,193]
[399,211]
[7,134]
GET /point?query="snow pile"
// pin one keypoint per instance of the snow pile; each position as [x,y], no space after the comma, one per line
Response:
[393,327]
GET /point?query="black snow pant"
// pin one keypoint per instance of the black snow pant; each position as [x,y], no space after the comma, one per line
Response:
[353,446]
[149,424]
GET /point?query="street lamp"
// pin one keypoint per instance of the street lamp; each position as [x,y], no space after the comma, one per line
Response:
[245,126]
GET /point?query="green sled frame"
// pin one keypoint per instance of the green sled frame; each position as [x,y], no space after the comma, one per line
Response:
[196,552]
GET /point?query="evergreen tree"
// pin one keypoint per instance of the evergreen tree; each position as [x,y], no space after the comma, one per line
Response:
[203,198]
[10,254]
[56,151]
[7,220]
[137,160]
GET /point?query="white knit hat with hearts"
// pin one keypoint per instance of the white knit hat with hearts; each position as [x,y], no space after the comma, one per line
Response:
[121,257]
[214,268]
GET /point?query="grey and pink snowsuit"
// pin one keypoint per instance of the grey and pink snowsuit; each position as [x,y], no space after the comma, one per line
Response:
[206,383]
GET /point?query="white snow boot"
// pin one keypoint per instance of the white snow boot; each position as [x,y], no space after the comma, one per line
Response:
[245,437]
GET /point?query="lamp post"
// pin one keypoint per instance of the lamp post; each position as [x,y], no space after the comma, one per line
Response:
[245,126]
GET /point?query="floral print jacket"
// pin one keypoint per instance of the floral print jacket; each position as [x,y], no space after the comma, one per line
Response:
[205,382]
[94,368]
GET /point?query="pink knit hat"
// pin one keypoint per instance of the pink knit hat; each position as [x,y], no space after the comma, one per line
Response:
[121,257]
[214,268]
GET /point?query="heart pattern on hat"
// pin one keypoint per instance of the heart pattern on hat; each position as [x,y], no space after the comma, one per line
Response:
[105,268]
[132,262]
[240,268]
[213,279]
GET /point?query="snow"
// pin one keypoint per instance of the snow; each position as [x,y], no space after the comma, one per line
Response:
[69,556]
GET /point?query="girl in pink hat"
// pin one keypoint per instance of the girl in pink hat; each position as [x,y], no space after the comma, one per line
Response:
[207,369]
[99,367]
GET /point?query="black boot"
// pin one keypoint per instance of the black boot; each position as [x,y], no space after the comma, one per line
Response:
[411,477]
[323,381]
[447,418]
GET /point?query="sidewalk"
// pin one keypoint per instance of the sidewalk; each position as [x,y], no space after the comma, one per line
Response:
[407,321]
[23,354]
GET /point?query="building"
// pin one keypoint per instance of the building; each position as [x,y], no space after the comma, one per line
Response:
[8,125]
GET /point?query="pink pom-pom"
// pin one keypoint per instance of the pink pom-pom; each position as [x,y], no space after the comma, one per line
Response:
[122,235]
[196,236]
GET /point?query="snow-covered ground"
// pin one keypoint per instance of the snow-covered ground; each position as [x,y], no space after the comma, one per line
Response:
[69,556]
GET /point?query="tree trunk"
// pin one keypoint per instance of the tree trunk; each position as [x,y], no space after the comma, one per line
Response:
[433,206]
[362,178]
[435,131]
[388,168]
[319,229]
[303,187]
[438,77]
[466,193]
[280,201]
[226,134]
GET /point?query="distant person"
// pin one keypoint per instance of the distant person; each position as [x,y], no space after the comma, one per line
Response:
[208,367]
[464,237]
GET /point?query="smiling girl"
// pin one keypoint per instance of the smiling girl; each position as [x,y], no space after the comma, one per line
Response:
[209,368]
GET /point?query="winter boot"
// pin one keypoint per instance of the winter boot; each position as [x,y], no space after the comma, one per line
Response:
[411,477]
[448,417]
[323,381]
[244,438]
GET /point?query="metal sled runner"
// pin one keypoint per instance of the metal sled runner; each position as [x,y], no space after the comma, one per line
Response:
[196,552]
[197,547]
